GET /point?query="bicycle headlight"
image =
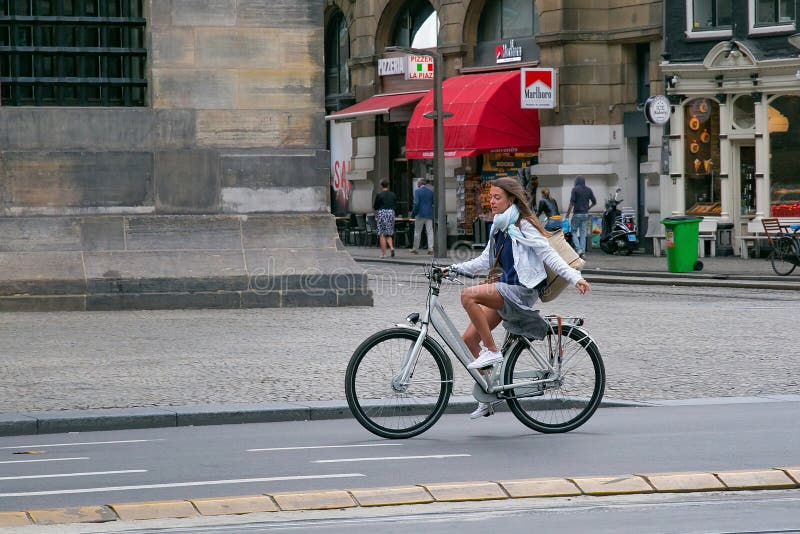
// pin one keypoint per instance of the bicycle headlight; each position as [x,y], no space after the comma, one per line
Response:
[413,318]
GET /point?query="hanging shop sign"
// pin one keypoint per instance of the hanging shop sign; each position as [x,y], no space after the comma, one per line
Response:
[391,65]
[419,67]
[538,89]
[508,53]
[657,109]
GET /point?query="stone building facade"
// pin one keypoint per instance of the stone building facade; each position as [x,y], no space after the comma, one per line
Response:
[212,190]
[606,54]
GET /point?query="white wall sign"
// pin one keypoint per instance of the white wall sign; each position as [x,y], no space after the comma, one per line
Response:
[391,65]
[538,89]
[341,162]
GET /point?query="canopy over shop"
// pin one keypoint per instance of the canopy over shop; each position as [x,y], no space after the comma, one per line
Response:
[487,117]
[487,120]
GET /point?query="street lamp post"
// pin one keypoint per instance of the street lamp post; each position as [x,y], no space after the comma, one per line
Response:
[438,116]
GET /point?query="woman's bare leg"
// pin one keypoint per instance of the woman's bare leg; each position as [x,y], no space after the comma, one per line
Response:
[383,245]
[471,337]
[475,299]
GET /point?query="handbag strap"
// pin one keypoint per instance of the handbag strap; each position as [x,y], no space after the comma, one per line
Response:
[497,258]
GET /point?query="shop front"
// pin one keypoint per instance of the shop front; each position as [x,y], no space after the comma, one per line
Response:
[488,136]
[734,143]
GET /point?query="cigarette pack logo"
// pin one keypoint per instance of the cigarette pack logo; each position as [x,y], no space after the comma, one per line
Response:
[506,53]
[538,88]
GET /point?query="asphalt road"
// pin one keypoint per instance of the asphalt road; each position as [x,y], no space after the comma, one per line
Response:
[61,470]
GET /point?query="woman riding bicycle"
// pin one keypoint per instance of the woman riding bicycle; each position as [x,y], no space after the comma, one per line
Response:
[518,249]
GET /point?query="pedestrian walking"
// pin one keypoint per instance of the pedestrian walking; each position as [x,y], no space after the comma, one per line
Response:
[581,200]
[533,185]
[518,250]
[384,206]
[549,207]
[422,213]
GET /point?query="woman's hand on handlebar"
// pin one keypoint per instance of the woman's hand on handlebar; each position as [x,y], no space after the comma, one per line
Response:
[582,286]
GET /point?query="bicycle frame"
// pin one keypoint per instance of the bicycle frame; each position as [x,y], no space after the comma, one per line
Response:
[436,316]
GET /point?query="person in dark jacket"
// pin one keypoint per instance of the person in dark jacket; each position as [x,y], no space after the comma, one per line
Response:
[582,200]
[549,207]
[384,206]
[422,215]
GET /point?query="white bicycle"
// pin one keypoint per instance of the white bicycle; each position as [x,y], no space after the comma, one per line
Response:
[399,380]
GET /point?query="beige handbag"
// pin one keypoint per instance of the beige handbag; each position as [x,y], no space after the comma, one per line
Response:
[555,284]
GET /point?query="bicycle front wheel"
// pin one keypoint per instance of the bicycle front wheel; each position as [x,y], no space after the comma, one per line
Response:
[378,400]
[784,255]
[571,398]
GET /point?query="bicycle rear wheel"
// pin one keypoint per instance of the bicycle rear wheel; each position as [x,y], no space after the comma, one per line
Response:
[379,403]
[571,400]
[784,255]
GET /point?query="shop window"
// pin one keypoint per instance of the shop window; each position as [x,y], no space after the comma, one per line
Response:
[701,148]
[337,54]
[417,26]
[708,18]
[506,19]
[72,53]
[784,181]
[773,12]
[744,112]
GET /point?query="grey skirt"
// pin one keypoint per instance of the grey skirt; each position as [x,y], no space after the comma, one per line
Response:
[518,315]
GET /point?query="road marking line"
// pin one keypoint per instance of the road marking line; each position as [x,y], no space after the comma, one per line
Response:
[43,460]
[326,447]
[180,484]
[437,456]
[85,443]
[63,475]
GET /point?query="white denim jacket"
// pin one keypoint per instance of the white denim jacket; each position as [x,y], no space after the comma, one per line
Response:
[530,255]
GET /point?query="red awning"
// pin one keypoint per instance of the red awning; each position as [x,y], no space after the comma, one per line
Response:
[487,117]
[376,105]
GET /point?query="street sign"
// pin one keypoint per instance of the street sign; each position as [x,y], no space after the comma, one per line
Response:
[419,67]
[538,89]
[657,109]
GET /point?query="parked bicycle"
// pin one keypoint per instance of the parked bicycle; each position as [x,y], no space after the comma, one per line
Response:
[399,380]
[785,242]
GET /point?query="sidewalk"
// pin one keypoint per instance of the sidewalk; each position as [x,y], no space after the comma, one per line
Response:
[640,268]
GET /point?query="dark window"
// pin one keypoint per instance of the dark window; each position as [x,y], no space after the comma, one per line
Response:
[337,53]
[72,53]
[409,21]
[506,19]
[711,15]
[642,72]
[774,12]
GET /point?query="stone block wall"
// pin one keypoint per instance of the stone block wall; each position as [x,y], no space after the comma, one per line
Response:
[220,182]
[234,123]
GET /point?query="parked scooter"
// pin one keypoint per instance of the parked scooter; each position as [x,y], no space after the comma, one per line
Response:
[619,230]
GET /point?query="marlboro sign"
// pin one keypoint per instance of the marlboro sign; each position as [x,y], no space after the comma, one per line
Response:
[538,88]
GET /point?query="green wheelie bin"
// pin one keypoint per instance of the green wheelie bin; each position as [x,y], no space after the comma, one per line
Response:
[681,243]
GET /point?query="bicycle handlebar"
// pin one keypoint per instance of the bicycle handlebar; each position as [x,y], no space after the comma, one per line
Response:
[439,273]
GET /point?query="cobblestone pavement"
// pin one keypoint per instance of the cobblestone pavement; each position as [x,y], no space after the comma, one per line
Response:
[658,342]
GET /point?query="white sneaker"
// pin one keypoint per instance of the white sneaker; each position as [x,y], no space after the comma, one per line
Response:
[484,409]
[486,358]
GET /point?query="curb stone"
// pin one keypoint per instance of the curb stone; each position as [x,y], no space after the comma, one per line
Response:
[224,414]
[763,479]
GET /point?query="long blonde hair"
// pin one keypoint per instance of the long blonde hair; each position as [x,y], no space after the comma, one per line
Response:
[515,190]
